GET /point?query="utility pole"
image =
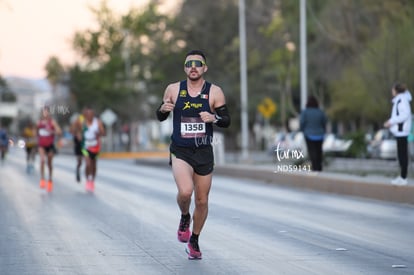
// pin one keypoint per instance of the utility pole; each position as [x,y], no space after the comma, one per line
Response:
[127,58]
[243,83]
[126,55]
[303,56]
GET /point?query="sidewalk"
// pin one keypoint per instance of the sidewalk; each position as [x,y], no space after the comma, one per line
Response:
[370,186]
[369,178]
[357,177]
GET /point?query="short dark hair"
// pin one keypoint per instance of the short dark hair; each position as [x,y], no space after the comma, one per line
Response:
[399,87]
[197,52]
[312,102]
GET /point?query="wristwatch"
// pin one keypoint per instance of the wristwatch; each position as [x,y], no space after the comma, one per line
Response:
[217,118]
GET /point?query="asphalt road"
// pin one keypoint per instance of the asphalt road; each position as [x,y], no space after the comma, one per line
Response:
[128,226]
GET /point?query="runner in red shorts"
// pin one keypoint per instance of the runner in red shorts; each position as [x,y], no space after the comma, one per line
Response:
[47,130]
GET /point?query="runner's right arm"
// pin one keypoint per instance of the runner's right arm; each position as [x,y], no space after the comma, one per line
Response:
[167,104]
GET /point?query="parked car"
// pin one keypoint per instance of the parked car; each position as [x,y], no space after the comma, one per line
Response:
[335,145]
[383,145]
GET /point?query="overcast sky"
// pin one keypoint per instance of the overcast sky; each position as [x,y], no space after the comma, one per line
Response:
[33,30]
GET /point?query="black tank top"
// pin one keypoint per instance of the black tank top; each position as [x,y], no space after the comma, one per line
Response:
[188,128]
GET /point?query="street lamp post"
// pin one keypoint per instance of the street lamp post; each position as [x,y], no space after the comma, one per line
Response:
[243,83]
[303,57]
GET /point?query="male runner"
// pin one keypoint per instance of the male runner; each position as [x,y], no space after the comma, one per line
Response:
[197,105]
[30,138]
[77,144]
[4,144]
[92,130]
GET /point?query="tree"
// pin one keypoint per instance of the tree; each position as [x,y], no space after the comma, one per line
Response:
[121,60]
[54,71]
[129,59]
[214,28]
[6,96]
[385,60]
[360,91]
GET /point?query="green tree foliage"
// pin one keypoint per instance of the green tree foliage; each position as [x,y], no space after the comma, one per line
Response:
[362,89]
[96,80]
[356,50]
[6,96]
[121,60]
[54,71]
[213,26]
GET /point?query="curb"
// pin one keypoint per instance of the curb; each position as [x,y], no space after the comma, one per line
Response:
[323,182]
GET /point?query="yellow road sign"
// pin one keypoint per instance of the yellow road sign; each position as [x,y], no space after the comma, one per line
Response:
[267,108]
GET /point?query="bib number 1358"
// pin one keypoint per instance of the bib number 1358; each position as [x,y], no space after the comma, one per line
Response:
[192,129]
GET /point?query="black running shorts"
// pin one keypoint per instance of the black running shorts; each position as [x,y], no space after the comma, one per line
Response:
[30,149]
[201,159]
[90,154]
[49,149]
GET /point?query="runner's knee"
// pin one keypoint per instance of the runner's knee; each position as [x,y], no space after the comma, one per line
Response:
[185,194]
[201,202]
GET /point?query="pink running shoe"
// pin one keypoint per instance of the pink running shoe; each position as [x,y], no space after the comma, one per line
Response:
[193,251]
[90,186]
[49,187]
[42,183]
[183,232]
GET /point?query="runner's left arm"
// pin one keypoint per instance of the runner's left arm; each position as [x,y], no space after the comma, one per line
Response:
[58,130]
[222,115]
[102,131]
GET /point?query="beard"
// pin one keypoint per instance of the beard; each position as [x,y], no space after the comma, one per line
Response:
[194,78]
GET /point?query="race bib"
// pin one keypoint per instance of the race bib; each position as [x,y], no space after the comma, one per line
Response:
[91,143]
[192,127]
[44,132]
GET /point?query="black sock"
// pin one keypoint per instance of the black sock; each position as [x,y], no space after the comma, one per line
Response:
[194,238]
[186,217]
